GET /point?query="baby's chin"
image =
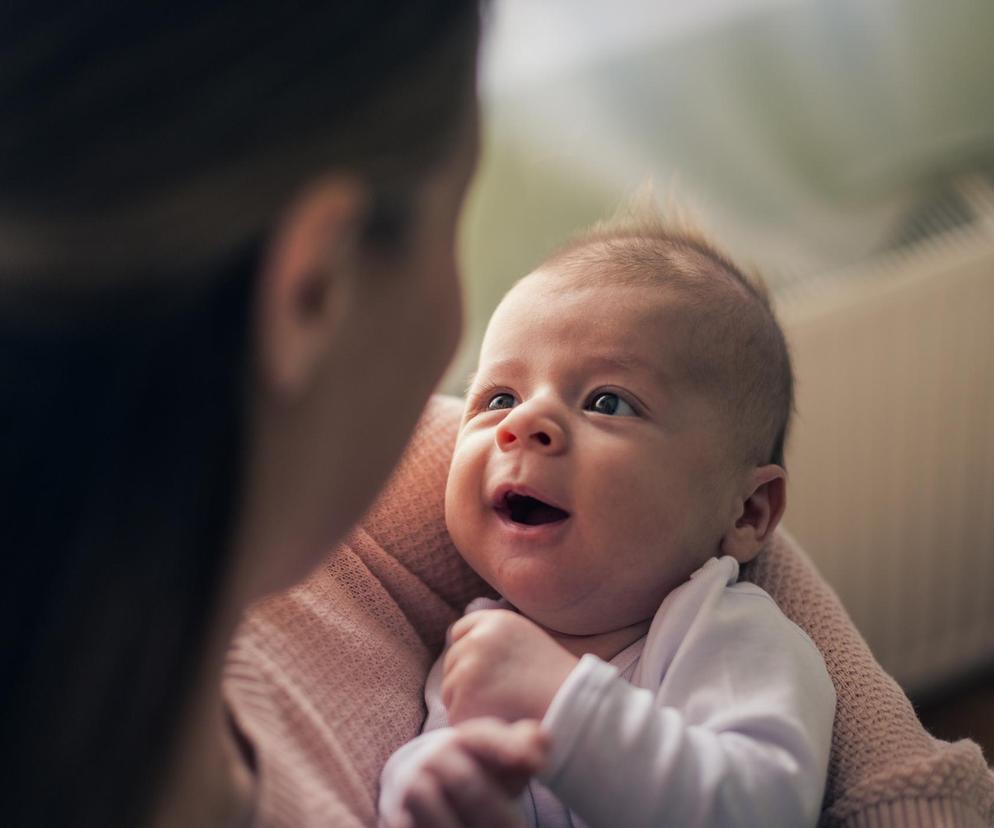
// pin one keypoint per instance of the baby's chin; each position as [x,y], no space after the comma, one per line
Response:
[555,607]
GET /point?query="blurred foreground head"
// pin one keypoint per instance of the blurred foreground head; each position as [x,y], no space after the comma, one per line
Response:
[158,136]
[220,225]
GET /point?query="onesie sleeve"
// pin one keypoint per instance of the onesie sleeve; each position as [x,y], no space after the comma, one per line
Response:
[736,731]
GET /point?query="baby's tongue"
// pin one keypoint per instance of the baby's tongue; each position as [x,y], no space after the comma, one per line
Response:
[534,512]
[544,513]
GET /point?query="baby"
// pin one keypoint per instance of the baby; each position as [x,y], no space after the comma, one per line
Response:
[619,458]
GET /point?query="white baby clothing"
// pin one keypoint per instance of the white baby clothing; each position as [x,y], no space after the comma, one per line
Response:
[720,716]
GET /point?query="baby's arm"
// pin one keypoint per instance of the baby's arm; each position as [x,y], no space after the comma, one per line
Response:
[738,732]
[619,757]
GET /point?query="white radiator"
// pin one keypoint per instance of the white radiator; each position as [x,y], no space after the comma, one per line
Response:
[891,462]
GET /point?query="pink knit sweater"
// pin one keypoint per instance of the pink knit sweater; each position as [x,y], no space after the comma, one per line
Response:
[325,681]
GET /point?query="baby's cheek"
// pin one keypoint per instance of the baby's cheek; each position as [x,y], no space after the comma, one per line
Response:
[467,528]
[460,494]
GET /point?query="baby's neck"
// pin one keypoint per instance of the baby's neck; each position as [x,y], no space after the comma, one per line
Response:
[604,645]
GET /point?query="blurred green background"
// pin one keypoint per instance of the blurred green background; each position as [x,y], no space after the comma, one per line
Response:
[805,133]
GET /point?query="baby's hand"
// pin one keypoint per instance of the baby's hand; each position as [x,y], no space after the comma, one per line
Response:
[501,664]
[471,778]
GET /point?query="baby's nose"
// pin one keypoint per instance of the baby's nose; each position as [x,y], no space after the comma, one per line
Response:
[539,433]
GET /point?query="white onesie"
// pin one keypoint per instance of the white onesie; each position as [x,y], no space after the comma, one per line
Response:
[720,716]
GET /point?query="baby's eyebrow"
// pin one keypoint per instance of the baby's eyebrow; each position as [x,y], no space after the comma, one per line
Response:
[508,365]
[505,369]
[625,362]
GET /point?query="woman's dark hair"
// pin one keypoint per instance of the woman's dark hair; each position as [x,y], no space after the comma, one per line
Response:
[146,150]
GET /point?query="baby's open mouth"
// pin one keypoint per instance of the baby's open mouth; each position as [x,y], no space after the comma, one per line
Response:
[530,511]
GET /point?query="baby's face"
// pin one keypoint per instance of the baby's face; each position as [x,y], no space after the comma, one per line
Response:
[587,482]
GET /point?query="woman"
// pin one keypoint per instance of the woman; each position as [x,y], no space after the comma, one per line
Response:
[226,240]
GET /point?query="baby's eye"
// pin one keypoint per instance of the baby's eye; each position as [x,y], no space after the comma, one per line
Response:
[606,402]
[498,402]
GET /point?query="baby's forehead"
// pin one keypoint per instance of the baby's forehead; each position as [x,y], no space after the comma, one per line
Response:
[680,331]
[597,302]
[550,298]
[589,323]
[562,284]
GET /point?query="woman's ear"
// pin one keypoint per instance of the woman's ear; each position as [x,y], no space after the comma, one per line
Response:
[306,282]
[758,513]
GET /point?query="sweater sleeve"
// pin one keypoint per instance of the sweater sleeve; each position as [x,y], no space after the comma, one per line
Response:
[737,734]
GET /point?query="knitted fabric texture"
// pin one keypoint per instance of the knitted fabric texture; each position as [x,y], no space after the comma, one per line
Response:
[325,681]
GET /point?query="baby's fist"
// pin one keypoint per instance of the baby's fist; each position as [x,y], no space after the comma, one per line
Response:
[468,775]
[501,664]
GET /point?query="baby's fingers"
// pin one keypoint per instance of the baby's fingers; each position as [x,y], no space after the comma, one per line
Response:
[425,805]
[512,752]
[477,798]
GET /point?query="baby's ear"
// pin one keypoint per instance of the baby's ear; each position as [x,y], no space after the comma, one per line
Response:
[758,513]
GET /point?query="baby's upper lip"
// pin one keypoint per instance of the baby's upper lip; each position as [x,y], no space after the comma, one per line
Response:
[499,497]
